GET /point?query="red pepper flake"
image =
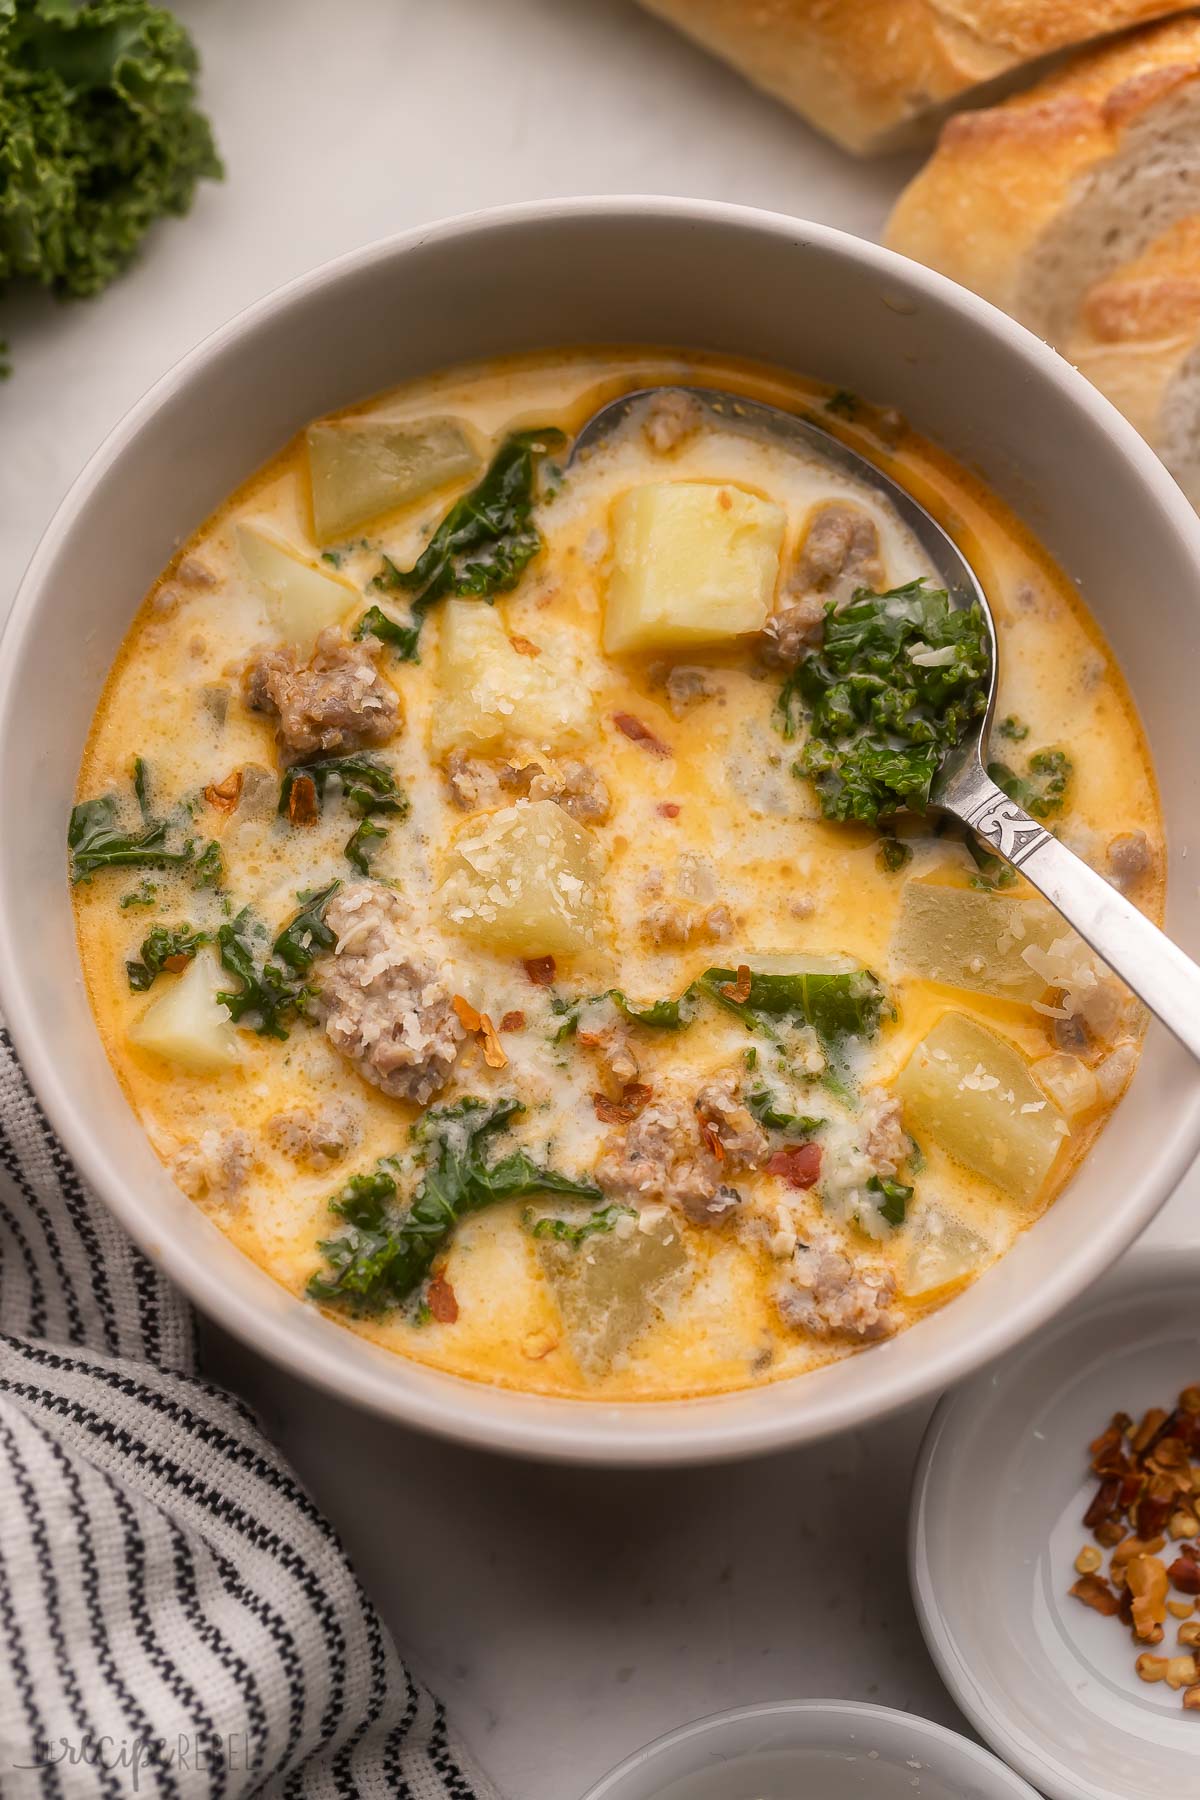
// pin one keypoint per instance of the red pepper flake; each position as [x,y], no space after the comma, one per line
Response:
[473,1021]
[634,1096]
[1184,1572]
[1154,1509]
[513,1021]
[711,1140]
[524,647]
[798,1164]
[540,970]
[668,809]
[638,732]
[442,1301]
[302,801]
[724,500]
[493,1049]
[1104,1503]
[174,964]
[1095,1592]
[738,991]
[224,795]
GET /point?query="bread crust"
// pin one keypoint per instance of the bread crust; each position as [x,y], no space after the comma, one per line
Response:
[1001,178]
[873,74]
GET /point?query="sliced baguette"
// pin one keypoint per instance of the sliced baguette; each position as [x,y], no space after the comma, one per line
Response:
[875,74]
[1138,339]
[1033,202]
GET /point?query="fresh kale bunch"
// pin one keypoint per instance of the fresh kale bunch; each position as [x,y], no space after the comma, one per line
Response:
[99,136]
[895,684]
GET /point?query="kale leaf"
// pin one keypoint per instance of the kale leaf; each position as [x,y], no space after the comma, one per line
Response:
[307,933]
[1042,790]
[97,840]
[837,1004]
[879,721]
[481,547]
[597,1224]
[1013,728]
[367,786]
[891,855]
[99,136]
[357,849]
[268,998]
[659,1015]
[169,947]
[390,1249]
[894,1198]
[765,1107]
[208,870]
[403,638]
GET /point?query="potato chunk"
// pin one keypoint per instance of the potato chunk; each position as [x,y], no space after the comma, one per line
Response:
[610,1287]
[187,1024]
[694,562]
[943,1250]
[524,881]
[363,467]
[493,696]
[304,599]
[965,938]
[971,1092]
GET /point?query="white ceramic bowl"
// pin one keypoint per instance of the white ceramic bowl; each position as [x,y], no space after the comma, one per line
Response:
[592,271]
[1001,1487]
[823,1749]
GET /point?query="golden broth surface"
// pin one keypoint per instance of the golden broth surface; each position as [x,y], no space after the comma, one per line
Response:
[720,823]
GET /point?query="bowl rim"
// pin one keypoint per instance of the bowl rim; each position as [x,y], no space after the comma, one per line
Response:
[1004,1783]
[551,1427]
[1150,1267]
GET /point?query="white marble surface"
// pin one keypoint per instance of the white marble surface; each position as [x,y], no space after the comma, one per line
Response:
[565,1616]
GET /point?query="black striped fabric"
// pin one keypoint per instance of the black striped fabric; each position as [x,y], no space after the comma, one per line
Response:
[177,1619]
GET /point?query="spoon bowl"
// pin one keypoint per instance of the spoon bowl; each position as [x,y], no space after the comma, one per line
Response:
[1157,970]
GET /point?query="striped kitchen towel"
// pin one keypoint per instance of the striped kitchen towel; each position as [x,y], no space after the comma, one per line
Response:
[176,1617]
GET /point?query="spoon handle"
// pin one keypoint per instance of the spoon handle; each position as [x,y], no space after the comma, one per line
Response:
[1157,970]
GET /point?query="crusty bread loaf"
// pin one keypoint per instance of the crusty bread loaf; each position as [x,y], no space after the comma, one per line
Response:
[1138,339]
[1032,202]
[874,74]
[1076,207]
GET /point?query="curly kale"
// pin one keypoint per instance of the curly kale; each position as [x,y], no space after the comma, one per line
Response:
[99,136]
[169,947]
[1042,790]
[895,684]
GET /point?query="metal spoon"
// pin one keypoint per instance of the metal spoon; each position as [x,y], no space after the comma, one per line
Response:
[1157,970]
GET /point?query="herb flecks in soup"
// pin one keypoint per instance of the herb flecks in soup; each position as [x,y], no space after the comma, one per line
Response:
[507,892]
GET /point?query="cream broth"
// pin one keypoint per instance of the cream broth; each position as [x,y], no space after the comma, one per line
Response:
[731,1239]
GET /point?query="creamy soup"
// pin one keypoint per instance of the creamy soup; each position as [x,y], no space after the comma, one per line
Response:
[507,896]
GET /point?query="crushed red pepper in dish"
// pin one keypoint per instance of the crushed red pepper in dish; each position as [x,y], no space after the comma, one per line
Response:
[1148,1497]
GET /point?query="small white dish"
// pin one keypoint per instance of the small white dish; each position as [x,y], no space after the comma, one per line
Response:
[831,1749]
[1001,1487]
